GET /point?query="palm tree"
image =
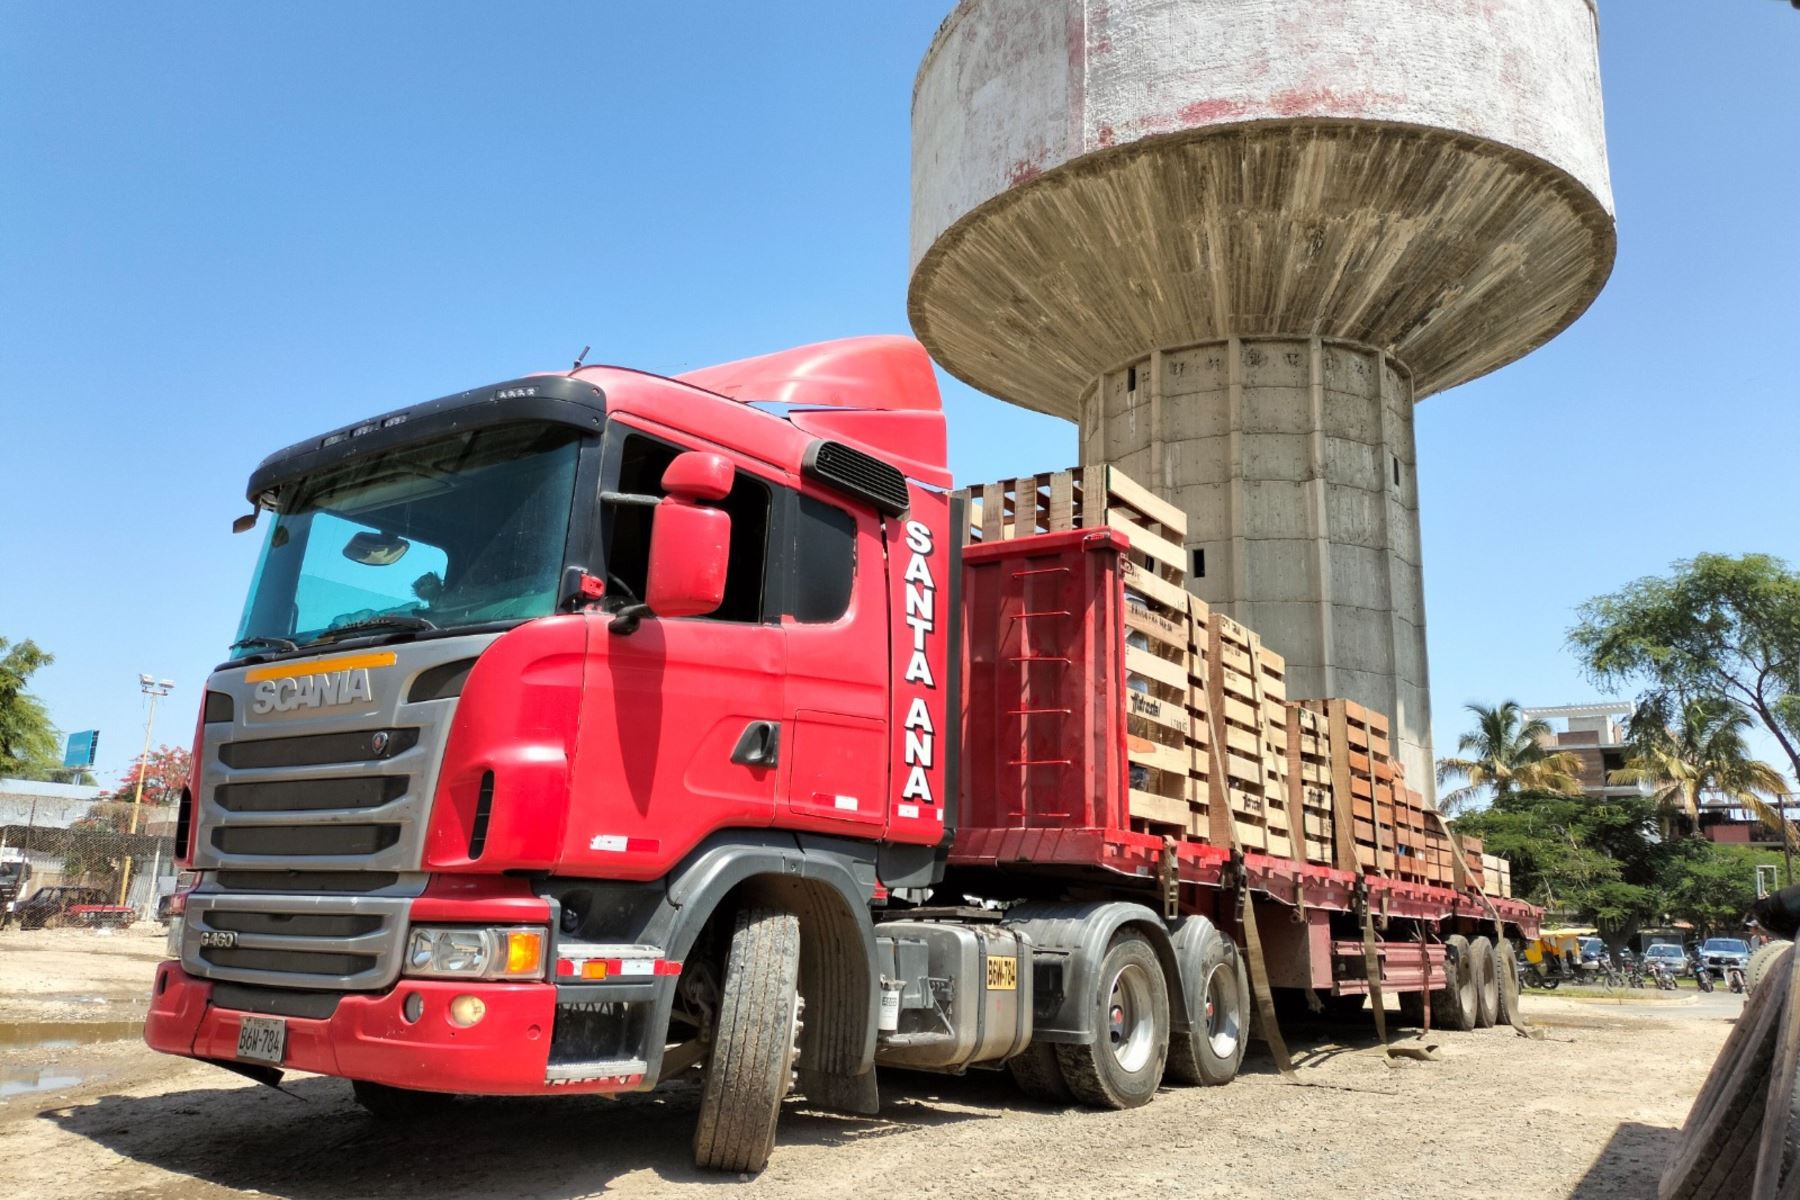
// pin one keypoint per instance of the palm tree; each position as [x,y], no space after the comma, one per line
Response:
[1506,754]
[1702,750]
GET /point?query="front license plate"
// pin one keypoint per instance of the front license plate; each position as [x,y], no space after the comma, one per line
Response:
[262,1039]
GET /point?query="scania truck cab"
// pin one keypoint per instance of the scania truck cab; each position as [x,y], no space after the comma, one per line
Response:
[572,727]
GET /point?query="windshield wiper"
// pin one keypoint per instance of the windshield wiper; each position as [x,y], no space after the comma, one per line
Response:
[393,621]
[259,639]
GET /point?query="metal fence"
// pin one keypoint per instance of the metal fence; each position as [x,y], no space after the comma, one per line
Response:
[95,853]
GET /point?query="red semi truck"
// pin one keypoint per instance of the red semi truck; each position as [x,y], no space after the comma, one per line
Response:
[589,730]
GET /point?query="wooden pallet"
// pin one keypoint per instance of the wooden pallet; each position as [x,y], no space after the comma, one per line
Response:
[1085,498]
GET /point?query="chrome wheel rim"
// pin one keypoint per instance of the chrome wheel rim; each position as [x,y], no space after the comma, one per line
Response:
[1224,1021]
[1130,1018]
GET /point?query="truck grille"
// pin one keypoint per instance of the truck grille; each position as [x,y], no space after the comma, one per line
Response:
[354,800]
[345,942]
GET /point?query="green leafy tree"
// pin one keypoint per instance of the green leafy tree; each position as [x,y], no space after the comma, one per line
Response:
[1702,750]
[1505,755]
[1712,887]
[29,745]
[1717,625]
[1598,860]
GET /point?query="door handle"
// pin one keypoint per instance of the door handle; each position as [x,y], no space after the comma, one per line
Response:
[759,745]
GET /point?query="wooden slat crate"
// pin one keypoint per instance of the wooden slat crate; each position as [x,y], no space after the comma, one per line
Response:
[1309,781]
[1085,498]
[1244,697]
[1472,858]
[1497,874]
[1362,785]
[1157,721]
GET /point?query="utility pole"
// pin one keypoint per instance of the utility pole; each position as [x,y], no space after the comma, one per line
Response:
[155,689]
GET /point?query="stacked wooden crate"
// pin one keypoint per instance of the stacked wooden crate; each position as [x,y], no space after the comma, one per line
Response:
[1472,861]
[1309,781]
[1413,852]
[1244,703]
[1362,783]
[1159,725]
[1497,872]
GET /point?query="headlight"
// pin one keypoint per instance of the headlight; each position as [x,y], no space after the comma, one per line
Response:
[472,953]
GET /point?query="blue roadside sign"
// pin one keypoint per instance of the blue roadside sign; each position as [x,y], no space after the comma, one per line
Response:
[81,748]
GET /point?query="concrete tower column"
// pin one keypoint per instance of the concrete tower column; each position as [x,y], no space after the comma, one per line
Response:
[1293,459]
[1236,240]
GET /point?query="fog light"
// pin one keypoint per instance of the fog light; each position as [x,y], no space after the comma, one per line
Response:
[467,1010]
[413,1007]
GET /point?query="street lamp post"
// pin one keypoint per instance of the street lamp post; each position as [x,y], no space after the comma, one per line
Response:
[155,689]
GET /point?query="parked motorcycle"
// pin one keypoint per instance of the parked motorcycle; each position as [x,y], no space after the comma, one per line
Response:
[1734,978]
[1702,973]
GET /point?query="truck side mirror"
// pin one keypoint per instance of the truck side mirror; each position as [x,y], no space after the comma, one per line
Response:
[690,543]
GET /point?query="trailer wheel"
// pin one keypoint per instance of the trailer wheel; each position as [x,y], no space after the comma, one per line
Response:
[1506,972]
[750,1067]
[1487,982]
[1039,1075]
[1122,1067]
[1454,1006]
[1212,1050]
[397,1104]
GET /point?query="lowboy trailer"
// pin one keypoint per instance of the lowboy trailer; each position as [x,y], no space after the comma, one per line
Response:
[589,730]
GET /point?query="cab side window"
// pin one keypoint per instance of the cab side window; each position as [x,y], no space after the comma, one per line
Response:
[626,531]
[824,561]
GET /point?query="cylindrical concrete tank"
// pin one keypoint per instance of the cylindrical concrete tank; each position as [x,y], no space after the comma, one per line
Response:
[1235,240]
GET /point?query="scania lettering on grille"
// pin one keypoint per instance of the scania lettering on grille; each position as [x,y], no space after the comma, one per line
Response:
[312,691]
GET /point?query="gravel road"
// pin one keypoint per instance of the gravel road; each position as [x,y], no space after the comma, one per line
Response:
[1589,1111]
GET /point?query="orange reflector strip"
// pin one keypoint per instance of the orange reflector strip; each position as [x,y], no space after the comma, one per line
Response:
[319,666]
[594,968]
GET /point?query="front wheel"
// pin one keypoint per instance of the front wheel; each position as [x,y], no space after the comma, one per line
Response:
[1129,1012]
[750,1067]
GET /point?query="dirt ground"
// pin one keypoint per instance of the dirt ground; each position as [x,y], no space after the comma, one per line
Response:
[1589,1111]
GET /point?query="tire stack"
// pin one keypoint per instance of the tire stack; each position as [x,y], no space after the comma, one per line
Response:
[1741,1140]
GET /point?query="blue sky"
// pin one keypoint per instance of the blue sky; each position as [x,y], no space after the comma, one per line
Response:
[225,227]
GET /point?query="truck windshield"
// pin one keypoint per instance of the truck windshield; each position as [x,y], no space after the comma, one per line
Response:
[462,530]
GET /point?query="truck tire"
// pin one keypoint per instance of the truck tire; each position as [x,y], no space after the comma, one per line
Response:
[1412,1008]
[397,1104]
[1454,1007]
[1212,1050]
[1129,1012]
[750,1068]
[1487,982]
[1758,966]
[1039,1075]
[1715,1156]
[1506,975]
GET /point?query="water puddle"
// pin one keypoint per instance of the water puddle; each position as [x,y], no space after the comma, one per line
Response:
[32,1036]
[17,1082]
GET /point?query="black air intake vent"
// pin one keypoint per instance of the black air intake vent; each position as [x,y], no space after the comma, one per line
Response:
[484,805]
[857,474]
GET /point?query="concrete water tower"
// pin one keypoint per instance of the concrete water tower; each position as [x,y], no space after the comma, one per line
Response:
[1236,240]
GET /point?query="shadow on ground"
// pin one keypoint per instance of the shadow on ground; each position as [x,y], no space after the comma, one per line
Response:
[311,1142]
[1629,1165]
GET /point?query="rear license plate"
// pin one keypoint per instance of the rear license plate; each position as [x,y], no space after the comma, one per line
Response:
[262,1039]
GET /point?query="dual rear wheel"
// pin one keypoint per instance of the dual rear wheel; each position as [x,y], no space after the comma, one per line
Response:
[1136,1044]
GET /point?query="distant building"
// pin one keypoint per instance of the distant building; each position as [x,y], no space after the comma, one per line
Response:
[1595,735]
[26,803]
